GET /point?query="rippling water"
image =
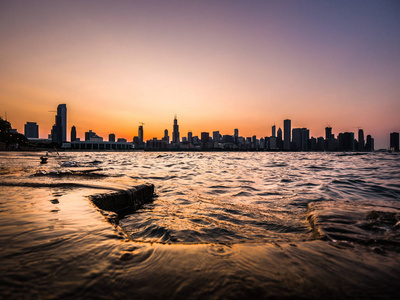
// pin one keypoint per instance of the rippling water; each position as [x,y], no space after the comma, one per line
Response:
[222,225]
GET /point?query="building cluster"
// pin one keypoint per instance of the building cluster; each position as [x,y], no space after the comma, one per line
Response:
[296,139]
[290,139]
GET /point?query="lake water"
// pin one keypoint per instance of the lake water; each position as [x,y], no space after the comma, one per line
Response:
[226,225]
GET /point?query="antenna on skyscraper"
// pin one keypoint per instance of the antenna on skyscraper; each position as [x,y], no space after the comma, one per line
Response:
[141,123]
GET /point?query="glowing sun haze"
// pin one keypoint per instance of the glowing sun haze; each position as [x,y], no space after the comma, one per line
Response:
[218,65]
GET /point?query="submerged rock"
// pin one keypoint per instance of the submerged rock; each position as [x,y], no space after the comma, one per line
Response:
[131,198]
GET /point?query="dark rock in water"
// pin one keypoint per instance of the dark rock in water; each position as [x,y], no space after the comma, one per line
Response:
[131,198]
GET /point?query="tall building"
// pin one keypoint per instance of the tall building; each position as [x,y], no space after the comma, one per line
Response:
[279,139]
[369,146]
[205,138]
[140,135]
[300,138]
[346,141]
[287,128]
[73,134]
[361,142]
[215,138]
[296,139]
[190,137]
[273,131]
[31,130]
[328,133]
[59,131]
[394,141]
[111,137]
[305,137]
[175,132]
[236,136]
[166,136]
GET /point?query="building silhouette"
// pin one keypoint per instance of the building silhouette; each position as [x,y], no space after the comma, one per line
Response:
[73,134]
[328,133]
[205,138]
[236,136]
[215,138]
[190,138]
[361,141]
[166,136]
[31,130]
[300,139]
[59,131]
[346,141]
[287,126]
[175,132]
[394,141]
[369,146]
[140,136]
[111,137]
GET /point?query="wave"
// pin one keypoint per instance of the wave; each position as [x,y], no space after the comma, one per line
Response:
[371,224]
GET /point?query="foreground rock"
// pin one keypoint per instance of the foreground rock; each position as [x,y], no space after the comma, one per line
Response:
[131,198]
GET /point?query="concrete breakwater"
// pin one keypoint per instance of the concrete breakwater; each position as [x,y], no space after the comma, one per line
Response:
[128,199]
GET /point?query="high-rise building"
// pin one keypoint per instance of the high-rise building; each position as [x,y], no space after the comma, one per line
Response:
[305,137]
[140,135]
[361,141]
[279,139]
[31,130]
[73,134]
[205,138]
[394,141]
[346,141]
[166,136]
[273,131]
[369,146]
[190,137]
[175,132]
[215,138]
[111,137]
[287,126]
[296,139]
[236,136]
[59,131]
[328,133]
[300,138]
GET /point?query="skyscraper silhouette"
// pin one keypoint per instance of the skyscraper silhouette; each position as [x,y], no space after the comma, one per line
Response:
[287,128]
[175,132]
[273,131]
[140,135]
[361,142]
[166,136]
[328,133]
[59,131]
[73,134]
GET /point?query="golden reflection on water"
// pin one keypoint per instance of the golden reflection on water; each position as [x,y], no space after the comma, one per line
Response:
[56,243]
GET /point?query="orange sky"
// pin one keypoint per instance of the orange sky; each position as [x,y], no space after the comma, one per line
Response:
[217,65]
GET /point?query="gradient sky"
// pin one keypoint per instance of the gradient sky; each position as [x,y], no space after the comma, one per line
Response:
[218,65]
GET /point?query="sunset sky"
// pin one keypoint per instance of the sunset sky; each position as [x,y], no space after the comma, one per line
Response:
[218,65]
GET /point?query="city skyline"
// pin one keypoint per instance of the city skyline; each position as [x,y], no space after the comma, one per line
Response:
[293,138]
[218,66]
